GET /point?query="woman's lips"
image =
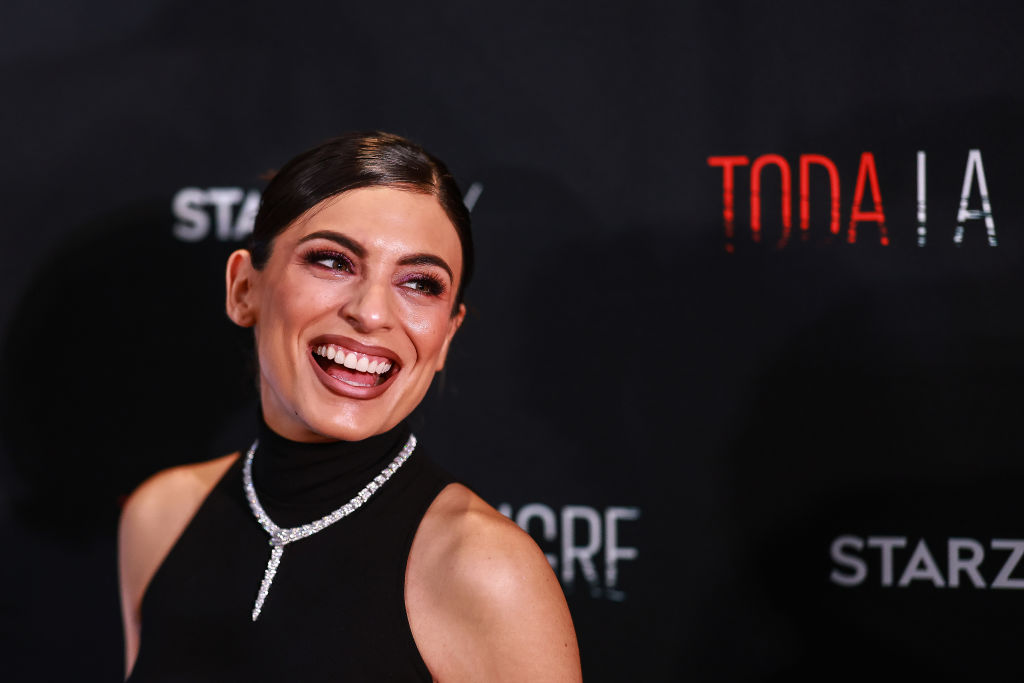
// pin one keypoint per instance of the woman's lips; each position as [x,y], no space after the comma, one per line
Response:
[352,369]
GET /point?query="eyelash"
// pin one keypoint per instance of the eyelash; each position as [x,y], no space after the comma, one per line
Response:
[317,255]
[424,283]
[427,284]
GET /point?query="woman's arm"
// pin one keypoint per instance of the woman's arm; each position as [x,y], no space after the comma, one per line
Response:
[482,600]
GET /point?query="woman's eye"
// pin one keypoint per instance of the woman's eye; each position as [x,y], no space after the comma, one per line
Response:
[332,261]
[427,286]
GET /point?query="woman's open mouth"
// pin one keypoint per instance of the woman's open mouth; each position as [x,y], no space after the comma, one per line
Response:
[351,367]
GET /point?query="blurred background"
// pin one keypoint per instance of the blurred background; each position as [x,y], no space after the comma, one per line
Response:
[744,344]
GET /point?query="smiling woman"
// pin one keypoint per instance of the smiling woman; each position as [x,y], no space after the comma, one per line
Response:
[364,273]
[353,288]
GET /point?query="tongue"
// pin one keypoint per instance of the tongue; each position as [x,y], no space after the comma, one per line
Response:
[341,372]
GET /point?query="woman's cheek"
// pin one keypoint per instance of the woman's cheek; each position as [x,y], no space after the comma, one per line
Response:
[429,328]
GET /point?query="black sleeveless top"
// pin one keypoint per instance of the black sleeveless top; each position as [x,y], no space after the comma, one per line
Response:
[336,608]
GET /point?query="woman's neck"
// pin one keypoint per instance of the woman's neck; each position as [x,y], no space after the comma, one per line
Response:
[299,482]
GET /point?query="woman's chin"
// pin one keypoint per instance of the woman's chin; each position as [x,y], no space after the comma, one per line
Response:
[353,423]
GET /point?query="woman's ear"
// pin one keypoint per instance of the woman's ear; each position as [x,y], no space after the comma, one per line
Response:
[240,280]
[454,324]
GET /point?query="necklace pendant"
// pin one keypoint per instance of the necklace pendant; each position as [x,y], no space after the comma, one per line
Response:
[268,576]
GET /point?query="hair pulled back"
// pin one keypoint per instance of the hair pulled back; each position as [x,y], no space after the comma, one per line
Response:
[349,162]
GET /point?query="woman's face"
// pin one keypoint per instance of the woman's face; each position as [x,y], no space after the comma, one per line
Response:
[352,312]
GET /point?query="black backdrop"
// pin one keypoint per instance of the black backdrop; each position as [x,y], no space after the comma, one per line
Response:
[750,455]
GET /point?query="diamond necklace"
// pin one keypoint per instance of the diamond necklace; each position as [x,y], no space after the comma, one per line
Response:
[279,537]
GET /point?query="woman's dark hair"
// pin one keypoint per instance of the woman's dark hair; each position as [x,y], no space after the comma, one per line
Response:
[349,162]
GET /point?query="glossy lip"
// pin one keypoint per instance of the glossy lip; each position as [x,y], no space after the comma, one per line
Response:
[341,388]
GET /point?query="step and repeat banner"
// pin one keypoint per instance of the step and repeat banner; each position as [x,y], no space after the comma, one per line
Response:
[744,350]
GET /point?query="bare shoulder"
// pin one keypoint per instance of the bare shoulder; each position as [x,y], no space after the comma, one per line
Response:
[477,545]
[482,600]
[152,519]
[162,505]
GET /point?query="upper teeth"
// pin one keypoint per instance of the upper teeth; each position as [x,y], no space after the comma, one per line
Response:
[352,360]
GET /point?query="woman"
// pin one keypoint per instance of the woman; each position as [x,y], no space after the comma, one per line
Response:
[334,549]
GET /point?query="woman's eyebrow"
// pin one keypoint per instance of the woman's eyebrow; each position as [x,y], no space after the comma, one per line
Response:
[345,241]
[427,260]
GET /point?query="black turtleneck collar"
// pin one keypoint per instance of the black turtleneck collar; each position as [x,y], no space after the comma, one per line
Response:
[299,482]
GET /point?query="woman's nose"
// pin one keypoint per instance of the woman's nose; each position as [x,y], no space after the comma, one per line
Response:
[368,306]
